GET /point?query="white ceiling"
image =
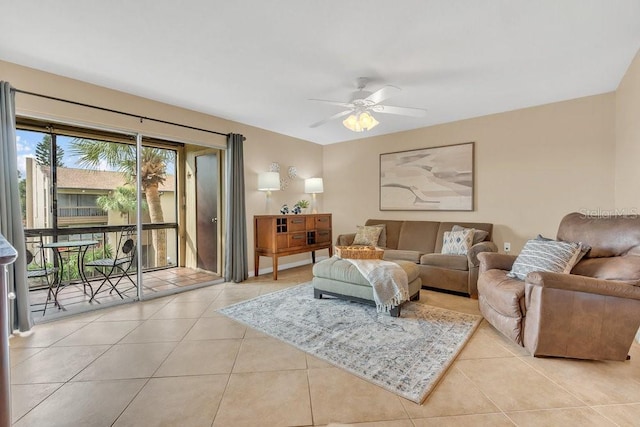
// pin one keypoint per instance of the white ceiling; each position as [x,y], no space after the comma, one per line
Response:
[259,61]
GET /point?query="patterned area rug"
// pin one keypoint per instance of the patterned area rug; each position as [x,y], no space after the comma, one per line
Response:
[406,355]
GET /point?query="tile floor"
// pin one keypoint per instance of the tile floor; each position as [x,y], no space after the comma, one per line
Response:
[176,362]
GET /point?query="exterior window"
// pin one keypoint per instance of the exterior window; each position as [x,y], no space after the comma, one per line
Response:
[91,183]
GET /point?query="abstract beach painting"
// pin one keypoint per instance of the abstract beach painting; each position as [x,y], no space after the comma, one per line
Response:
[428,179]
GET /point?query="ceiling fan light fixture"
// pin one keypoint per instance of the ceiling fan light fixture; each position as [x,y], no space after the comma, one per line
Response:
[367,121]
[360,122]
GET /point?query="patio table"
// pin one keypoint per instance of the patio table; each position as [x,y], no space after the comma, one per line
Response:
[77,246]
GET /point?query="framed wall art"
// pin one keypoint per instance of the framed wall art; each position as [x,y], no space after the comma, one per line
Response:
[428,179]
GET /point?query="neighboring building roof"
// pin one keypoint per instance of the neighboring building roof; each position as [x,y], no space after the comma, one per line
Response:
[87,179]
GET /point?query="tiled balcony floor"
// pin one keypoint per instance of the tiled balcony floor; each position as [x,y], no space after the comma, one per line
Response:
[73,299]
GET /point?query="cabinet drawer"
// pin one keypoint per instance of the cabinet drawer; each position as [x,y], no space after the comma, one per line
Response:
[297,224]
[323,236]
[297,239]
[323,222]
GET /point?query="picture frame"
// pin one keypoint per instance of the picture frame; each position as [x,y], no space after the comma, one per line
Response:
[428,179]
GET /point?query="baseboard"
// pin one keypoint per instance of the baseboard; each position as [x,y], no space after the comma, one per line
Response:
[287,266]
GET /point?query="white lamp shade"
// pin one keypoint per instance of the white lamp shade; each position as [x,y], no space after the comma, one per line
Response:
[313,185]
[268,181]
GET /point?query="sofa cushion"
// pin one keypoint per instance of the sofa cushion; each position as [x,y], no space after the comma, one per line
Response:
[418,236]
[368,235]
[453,262]
[478,235]
[397,254]
[544,255]
[613,268]
[457,242]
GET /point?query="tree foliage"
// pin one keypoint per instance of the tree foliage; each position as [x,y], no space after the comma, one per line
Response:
[122,157]
[22,188]
[43,152]
[120,199]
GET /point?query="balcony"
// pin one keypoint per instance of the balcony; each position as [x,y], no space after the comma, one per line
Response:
[81,215]
[156,279]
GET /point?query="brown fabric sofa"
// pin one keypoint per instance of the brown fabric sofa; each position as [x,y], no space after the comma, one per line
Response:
[591,313]
[421,242]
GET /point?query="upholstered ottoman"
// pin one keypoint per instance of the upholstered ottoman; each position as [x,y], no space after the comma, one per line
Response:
[340,278]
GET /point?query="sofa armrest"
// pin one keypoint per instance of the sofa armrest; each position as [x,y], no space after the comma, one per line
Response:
[345,239]
[495,261]
[573,282]
[475,250]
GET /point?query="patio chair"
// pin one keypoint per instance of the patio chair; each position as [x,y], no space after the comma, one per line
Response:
[38,268]
[119,266]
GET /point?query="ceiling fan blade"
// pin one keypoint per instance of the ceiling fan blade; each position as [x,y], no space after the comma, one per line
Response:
[335,116]
[401,111]
[382,94]
[341,104]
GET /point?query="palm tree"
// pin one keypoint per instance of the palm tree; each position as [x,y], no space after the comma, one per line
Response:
[153,170]
[121,199]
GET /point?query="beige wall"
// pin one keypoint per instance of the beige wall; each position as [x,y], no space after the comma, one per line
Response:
[532,166]
[261,147]
[627,174]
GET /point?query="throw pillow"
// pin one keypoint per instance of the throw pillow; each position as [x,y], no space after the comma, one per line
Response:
[478,235]
[584,248]
[382,240]
[367,235]
[545,255]
[457,242]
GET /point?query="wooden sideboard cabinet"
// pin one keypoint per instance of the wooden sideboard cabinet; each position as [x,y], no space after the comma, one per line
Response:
[282,235]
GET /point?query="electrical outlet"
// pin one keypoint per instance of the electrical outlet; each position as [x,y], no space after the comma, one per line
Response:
[507,247]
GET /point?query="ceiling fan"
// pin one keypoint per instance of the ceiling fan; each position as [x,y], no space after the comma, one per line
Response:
[363,103]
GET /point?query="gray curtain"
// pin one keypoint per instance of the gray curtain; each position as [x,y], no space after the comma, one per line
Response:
[10,215]
[236,267]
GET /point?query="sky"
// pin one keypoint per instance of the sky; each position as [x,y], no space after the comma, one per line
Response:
[26,142]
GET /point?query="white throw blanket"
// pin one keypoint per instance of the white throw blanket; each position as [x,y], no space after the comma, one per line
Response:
[389,281]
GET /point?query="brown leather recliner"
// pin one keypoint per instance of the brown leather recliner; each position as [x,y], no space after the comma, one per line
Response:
[592,313]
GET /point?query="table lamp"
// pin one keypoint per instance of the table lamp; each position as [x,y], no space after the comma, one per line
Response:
[313,186]
[268,181]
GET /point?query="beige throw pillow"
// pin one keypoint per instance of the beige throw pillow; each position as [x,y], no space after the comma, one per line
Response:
[382,240]
[368,235]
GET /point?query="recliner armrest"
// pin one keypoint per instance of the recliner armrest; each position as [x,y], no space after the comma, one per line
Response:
[495,261]
[573,282]
[478,248]
[345,239]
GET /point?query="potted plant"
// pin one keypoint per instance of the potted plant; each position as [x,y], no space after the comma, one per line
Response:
[303,205]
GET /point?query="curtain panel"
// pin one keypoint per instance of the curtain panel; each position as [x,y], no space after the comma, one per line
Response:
[236,268]
[10,215]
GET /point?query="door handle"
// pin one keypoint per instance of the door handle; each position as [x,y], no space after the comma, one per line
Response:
[214,220]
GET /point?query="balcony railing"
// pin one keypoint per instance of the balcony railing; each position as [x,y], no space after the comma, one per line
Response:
[76,211]
[107,238]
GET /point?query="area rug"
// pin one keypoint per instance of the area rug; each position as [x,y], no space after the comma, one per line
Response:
[406,355]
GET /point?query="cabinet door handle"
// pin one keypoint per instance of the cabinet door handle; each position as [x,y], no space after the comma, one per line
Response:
[297,221]
[323,233]
[297,237]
